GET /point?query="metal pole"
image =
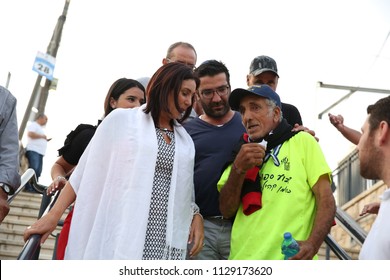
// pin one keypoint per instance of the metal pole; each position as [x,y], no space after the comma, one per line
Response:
[38,91]
[352,91]
[336,103]
[27,114]
[52,50]
[375,90]
[8,79]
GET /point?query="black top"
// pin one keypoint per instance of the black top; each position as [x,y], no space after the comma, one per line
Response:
[76,142]
[291,114]
[213,148]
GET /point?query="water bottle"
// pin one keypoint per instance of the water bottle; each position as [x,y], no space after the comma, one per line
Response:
[289,246]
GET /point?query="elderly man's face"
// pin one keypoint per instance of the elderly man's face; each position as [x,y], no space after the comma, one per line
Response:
[258,116]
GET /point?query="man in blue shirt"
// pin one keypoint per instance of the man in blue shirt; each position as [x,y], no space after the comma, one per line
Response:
[215,134]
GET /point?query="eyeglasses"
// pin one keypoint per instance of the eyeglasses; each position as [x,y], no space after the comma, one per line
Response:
[192,66]
[209,93]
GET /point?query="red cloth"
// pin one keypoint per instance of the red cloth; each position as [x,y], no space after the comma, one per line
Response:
[251,202]
[250,194]
[63,238]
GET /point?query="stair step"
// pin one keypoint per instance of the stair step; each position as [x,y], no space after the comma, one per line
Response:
[15,245]
[32,197]
[31,214]
[25,204]
[15,221]
[17,235]
[24,211]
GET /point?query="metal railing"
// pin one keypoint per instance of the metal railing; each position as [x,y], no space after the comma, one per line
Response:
[27,177]
[336,248]
[32,247]
[353,229]
[351,226]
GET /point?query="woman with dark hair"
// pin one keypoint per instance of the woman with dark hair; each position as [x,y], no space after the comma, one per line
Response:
[133,186]
[123,93]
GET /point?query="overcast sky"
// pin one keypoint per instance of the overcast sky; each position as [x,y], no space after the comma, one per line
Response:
[333,41]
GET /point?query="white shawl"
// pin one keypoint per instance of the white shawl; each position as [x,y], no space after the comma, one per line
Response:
[113,183]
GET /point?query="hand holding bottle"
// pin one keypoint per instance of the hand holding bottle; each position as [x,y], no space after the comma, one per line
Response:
[290,246]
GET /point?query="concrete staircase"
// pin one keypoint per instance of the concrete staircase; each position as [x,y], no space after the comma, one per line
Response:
[24,212]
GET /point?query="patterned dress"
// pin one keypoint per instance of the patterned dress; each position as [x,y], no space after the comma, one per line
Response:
[155,247]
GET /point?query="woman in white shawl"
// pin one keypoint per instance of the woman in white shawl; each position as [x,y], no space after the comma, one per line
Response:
[133,186]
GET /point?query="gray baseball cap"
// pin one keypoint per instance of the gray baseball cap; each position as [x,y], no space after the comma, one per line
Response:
[262,64]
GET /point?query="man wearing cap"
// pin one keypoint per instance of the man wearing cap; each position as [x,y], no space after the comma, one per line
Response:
[263,70]
[278,182]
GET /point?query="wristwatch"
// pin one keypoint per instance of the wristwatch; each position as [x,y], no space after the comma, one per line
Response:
[5,188]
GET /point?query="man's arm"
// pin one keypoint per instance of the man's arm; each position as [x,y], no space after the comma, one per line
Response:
[326,210]
[59,171]
[35,135]
[250,155]
[9,150]
[229,197]
[350,134]
[47,223]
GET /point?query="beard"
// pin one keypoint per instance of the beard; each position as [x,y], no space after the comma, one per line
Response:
[217,114]
[370,162]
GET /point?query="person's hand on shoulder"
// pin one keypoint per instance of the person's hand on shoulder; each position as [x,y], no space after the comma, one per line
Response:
[298,127]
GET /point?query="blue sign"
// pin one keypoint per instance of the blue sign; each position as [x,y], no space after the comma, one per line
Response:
[44,65]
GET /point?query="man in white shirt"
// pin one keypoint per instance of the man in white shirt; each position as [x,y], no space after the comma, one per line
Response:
[36,145]
[374,157]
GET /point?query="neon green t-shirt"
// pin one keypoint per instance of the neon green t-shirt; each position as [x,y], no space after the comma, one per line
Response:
[288,203]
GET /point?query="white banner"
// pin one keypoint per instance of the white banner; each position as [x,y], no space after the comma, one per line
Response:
[199,270]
